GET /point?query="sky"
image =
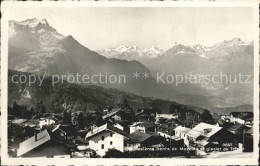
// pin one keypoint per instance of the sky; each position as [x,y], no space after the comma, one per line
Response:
[98,28]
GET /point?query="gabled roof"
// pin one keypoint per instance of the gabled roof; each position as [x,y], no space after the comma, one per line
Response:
[166,129]
[18,121]
[31,122]
[146,125]
[182,129]
[234,127]
[113,112]
[202,142]
[146,111]
[31,143]
[138,137]
[106,127]
[204,129]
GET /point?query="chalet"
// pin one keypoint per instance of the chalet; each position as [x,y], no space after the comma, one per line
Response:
[106,137]
[236,128]
[33,123]
[206,137]
[165,117]
[18,121]
[145,115]
[139,139]
[167,132]
[46,121]
[225,118]
[141,126]
[119,115]
[181,132]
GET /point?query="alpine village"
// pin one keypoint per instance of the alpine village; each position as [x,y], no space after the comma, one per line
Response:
[123,132]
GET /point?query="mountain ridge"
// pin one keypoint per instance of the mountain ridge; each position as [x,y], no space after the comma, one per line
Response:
[40,49]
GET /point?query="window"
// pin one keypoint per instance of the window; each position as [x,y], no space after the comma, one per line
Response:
[102,146]
[102,138]
[111,143]
[111,134]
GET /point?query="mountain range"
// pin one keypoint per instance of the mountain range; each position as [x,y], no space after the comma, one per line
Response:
[131,53]
[36,47]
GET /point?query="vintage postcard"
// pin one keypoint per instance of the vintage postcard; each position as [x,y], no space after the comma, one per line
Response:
[130,83]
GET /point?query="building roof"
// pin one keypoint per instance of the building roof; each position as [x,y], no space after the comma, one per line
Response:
[204,129]
[31,122]
[166,129]
[250,131]
[146,125]
[138,137]
[202,142]
[18,121]
[234,127]
[106,127]
[176,138]
[146,111]
[113,112]
[31,144]
[182,129]
[194,133]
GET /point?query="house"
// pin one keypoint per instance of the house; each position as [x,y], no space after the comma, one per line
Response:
[206,137]
[139,139]
[237,128]
[243,134]
[145,115]
[18,121]
[46,121]
[158,117]
[106,137]
[181,131]
[33,123]
[33,143]
[166,131]
[245,118]
[142,126]
[225,118]
[120,115]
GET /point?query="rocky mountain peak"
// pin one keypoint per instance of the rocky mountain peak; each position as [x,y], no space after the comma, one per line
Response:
[35,28]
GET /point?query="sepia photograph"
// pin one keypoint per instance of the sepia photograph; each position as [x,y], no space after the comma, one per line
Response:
[147,81]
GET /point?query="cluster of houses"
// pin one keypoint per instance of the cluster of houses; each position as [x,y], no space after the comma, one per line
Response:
[127,131]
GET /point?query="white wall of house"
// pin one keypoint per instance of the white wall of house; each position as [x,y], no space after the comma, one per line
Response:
[180,134]
[115,141]
[238,120]
[135,128]
[46,122]
[119,126]
[163,134]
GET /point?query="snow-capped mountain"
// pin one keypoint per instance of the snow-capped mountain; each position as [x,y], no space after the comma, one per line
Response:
[144,55]
[36,28]
[230,58]
[131,53]
[35,47]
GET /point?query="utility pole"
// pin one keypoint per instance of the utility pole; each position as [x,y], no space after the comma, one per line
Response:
[243,139]
[170,144]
